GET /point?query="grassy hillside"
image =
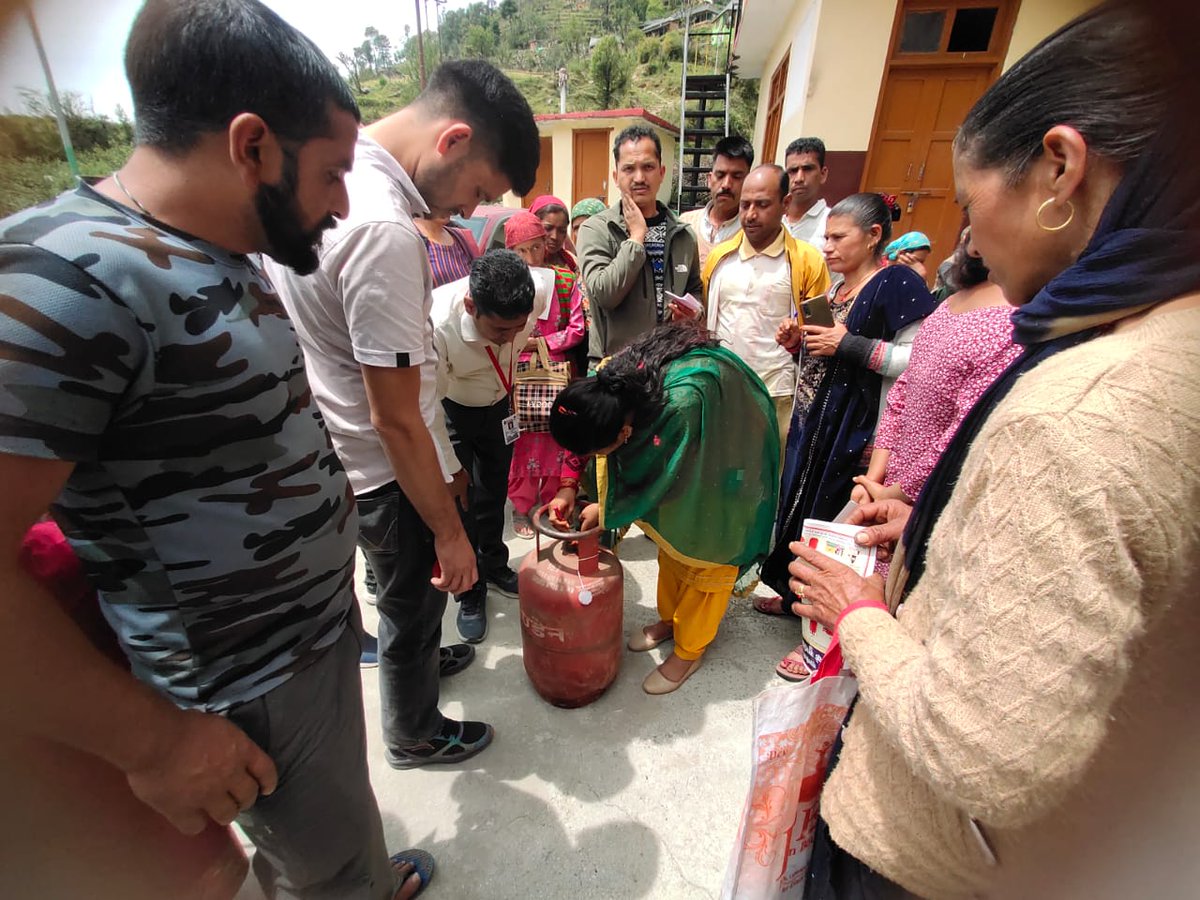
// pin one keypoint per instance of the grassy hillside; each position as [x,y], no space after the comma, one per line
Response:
[658,92]
[528,39]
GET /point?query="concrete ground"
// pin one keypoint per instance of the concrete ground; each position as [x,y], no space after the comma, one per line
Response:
[632,796]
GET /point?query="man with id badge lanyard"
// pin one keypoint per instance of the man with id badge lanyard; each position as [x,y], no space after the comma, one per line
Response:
[481,323]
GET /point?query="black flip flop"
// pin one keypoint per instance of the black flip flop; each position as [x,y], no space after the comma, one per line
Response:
[454,659]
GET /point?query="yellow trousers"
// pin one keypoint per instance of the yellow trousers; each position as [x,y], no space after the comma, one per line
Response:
[694,601]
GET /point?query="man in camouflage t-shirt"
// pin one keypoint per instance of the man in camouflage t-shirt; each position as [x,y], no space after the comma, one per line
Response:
[153,397]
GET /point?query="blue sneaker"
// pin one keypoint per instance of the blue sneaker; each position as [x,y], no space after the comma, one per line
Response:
[369,657]
[472,619]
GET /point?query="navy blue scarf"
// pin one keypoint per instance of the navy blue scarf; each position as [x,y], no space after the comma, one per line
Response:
[1144,252]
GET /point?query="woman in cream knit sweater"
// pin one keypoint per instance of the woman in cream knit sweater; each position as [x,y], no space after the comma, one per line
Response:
[1054,555]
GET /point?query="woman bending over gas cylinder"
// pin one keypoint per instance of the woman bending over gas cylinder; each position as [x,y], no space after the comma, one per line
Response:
[687,446]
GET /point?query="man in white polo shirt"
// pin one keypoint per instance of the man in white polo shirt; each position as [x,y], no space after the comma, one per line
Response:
[481,324]
[757,280]
[807,211]
[717,221]
[363,321]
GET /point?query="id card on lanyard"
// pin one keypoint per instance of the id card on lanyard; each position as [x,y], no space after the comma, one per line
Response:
[510,425]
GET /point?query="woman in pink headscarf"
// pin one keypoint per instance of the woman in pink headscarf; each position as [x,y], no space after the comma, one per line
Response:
[556,220]
[539,465]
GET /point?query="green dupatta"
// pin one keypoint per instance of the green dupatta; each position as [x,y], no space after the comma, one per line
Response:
[703,480]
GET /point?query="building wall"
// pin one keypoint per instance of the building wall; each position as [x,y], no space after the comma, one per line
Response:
[836,68]
[838,56]
[835,72]
[1038,19]
[561,132]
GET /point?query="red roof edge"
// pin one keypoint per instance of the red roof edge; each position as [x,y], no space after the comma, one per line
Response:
[632,113]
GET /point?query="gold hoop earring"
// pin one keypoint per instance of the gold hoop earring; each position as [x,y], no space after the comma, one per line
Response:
[1042,209]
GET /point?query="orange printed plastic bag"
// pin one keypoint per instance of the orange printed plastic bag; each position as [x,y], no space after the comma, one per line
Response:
[795,728]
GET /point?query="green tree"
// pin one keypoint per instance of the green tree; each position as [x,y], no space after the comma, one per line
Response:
[480,42]
[610,72]
[456,24]
[743,105]
[574,35]
[350,63]
[381,45]
[672,46]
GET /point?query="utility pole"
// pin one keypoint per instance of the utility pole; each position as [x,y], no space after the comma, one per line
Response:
[426,3]
[420,42]
[63,133]
[437,8]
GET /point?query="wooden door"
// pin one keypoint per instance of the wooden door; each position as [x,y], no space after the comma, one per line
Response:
[943,56]
[543,181]
[592,165]
[920,113]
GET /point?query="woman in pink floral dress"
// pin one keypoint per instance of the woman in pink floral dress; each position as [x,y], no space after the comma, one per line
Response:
[539,465]
[962,347]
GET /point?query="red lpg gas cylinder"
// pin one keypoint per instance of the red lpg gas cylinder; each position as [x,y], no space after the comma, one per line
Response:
[572,604]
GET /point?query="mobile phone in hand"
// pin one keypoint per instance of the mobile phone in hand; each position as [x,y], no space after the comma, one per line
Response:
[816,311]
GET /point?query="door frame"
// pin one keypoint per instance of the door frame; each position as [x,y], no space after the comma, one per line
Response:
[776,96]
[994,55]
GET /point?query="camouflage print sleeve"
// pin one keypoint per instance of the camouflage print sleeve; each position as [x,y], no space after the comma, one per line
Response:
[68,351]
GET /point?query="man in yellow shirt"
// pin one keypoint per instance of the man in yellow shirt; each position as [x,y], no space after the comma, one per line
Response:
[758,279]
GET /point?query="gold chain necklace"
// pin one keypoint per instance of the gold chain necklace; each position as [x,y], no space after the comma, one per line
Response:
[125,191]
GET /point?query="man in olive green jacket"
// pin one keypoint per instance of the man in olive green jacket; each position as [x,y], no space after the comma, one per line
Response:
[631,254]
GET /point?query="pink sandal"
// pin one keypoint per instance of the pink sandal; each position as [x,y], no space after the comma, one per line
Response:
[792,667]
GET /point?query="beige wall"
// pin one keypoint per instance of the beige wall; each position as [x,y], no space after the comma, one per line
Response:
[847,72]
[845,56]
[1038,19]
[789,41]
[561,131]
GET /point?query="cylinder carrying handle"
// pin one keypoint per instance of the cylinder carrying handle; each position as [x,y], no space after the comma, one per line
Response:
[589,541]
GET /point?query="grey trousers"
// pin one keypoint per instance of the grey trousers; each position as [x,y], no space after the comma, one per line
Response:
[319,836]
[399,546]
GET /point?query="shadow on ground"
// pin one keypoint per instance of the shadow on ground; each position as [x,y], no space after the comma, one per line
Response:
[632,796]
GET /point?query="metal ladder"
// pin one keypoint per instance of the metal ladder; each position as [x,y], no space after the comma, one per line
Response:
[706,120]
